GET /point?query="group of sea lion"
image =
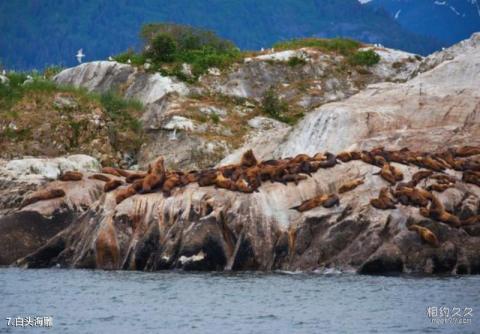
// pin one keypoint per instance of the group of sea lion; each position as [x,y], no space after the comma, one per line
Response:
[248,175]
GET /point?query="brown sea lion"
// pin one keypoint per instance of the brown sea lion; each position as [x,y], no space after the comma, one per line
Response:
[390,174]
[112,185]
[207,177]
[70,176]
[155,177]
[439,187]
[324,200]
[425,234]
[466,151]
[293,178]
[43,195]
[135,176]
[248,159]
[348,156]
[125,193]
[243,186]
[350,185]
[471,177]
[471,220]
[99,177]
[300,158]
[384,200]
[110,170]
[172,180]
[419,176]
[224,183]
[412,196]
[437,211]
[330,161]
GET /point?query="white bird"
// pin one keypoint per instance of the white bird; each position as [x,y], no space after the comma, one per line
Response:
[129,61]
[4,72]
[28,81]
[110,58]
[262,50]
[80,55]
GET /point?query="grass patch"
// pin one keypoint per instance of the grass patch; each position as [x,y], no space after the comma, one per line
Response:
[364,58]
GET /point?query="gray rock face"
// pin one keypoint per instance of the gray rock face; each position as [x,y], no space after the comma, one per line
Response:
[320,79]
[436,108]
[203,228]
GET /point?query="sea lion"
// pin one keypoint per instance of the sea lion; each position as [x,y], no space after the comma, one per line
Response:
[331,201]
[293,178]
[70,176]
[135,176]
[125,193]
[419,176]
[437,211]
[390,174]
[471,220]
[471,177]
[439,187]
[425,234]
[324,200]
[43,195]
[243,186]
[99,177]
[348,156]
[384,200]
[207,177]
[110,170]
[330,160]
[429,163]
[172,180]
[412,196]
[300,158]
[155,177]
[248,159]
[188,178]
[112,185]
[466,151]
[350,185]
[222,182]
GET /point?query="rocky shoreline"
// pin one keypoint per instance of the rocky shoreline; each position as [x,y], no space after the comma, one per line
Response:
[285,223]
[410,207]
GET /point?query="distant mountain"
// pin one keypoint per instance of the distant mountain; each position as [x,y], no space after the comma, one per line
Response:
[36,33]
[446,20]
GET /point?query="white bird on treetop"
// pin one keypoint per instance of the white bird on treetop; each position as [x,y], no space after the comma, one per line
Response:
[80,55]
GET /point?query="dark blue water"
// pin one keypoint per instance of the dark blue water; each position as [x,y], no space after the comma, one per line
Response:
[83,301]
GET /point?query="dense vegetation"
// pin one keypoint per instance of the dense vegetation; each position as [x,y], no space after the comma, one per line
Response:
[168,46]
[35,34]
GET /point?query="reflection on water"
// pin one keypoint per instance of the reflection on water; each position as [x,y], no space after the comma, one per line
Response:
[82,301]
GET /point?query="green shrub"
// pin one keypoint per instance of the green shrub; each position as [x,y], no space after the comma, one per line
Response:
[215,118]
[162,48]
[296,61]
[273,106]
[366,58]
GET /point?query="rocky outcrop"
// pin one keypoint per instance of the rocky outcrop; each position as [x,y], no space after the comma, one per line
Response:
[208,228]
[411,207]
[316,79]
[18,178]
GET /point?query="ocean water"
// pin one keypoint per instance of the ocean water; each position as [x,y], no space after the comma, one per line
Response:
[85,301]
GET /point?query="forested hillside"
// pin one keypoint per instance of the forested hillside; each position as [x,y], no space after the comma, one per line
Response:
[39,33]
